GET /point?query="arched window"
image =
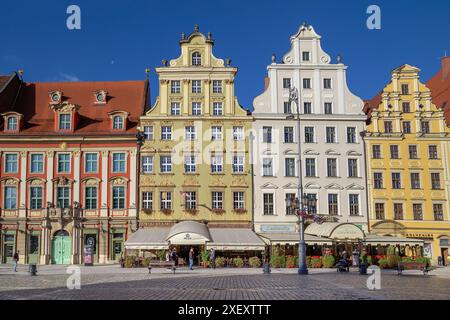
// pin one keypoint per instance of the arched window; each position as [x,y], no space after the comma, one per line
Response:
[118,122]
[12,123]
[196,59]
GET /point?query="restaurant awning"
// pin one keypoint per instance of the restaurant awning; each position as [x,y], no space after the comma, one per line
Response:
[148,239]
[374,240]
[225,239]
[336,231]
[293,239]
[188,232]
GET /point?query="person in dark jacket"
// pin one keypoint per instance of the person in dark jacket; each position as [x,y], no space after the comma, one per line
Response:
[16,260]
[175,257]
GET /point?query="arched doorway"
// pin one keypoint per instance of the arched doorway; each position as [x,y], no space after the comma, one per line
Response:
[61,247]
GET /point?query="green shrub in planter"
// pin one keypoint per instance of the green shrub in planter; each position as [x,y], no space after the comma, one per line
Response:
[316,262]
[129,261]
[393,261]
[308,262]
[220,262]
[238,262]
[383,263]
[254,262]
[146,262]
[277,262]
[328,261]
[161,254]
[291,262]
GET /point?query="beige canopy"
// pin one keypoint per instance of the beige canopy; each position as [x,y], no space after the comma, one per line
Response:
[335,231]
[188,232]
[292,239]
[148,239]
[224,239]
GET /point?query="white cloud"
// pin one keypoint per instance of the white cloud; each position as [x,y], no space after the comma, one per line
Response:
[67,77]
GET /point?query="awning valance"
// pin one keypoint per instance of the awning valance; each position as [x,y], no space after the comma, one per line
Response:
[336,231]
[234,239]
[148,239]
[293,239]
[374,240]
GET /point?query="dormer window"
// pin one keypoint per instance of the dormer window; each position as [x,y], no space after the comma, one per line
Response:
[196,59]
[65,121]
[118,120]
[100,96]
[65,117]
[13,121]
[55,97]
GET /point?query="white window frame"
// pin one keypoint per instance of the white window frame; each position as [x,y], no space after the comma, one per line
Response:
[62,123]
[165,163]
[119,198]
[65,161]
[217,86]
[238,163]
[216,133]
[124,161]
[148,133]
[196,59]
[165,203]
[217,199]
[89,198]
[12,126]
[166,133]
[238,200]
[217,163]
[217,109]
[147,164]
[190,133]
[190,163]
[196,108]
[86,161]
[147,200]
[40,163]
[267,167]
[118,123]
[196,86]
[238,133]
[175,109]
[34,200]
[10,199]
[175,86]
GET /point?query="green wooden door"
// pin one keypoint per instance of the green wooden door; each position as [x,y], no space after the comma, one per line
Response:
[9,247]
[61,249]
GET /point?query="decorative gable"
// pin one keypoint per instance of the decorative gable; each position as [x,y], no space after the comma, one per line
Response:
[66,116]
[269,186]
[355,186]
[100,96]
[313,185]
[55,97]
[334,186]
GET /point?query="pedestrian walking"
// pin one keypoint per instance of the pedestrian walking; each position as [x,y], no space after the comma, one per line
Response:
[175,257]
[212,258]
[191,259]
[167,256]
[356,255]
[16,260]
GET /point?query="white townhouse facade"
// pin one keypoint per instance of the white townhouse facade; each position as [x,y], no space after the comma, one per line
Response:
[332,150]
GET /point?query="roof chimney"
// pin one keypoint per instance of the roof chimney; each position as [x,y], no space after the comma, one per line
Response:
[266,83]
[445,67]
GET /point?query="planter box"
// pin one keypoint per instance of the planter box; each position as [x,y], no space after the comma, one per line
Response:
[412,266]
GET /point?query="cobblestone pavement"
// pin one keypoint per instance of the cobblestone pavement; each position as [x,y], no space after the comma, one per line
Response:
[113,282]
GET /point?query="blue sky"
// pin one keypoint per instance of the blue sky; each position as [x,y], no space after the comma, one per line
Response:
[119,39]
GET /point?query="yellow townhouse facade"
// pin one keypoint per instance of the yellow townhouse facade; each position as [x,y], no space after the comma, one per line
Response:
[408,163]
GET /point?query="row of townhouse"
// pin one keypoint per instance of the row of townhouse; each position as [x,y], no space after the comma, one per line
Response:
[92,163]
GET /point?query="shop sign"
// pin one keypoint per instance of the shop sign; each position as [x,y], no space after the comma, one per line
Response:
[274,228]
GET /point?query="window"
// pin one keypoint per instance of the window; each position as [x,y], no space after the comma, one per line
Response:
[196,59]
[415,180]
[332,168]
[217,86]
[286,83]
[63,163]
[310,167]
[147,164]
[412,150]
[406,107]
[267,167]
[432,152]
[90,201]
[196,108]
[333,208]
[396,180]
[309,134]
[217,109]
[425,126]
[331,134]
[406,127]
[12,124]
[216,133]
[405,89]
[63,198]
[190,133]
[394,151]
[353,168]
[288,134]
[354,204]
[238,200]
[306,83]
[388,127]
[438,212]
[313,207]
[217,200]
[147,200]
[287,107]
[166,200]
[10,198]
[166,133]
[175,109]
[398,211]
[190,200]
[119,162]
[118,122]
[289,167]
[238,164]
[376,151]
[378,180]
[417,211]
[36,198]
[238,133]
[289,210]
[379,211]
[90,163]
[216,164]
[64,121]
[190,164]
[435,181]
[196,86]
[328,106]
[305,55]
[118,197]
[166,164]
[175,86]
[148,132]
[327,83]
[307,108]
[37,163]
[268,203]
[267,134]
[351,135]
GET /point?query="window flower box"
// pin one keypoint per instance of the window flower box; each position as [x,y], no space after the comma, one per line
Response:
[166,211]
[218,211]
[191,211]
[240,210]
[147,211]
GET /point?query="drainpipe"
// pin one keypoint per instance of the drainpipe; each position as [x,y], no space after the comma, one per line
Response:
[253,180]
[363,135]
